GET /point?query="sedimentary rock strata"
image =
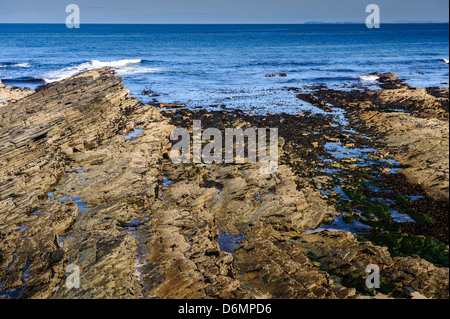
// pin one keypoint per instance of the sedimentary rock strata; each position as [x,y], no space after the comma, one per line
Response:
[421,144]
[8,93]
[416,136]
[86,180]
[411,124]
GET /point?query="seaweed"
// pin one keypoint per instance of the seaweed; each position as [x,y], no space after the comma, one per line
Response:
[348,219]
[427,248]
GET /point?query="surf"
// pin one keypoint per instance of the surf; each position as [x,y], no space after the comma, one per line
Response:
[124,66]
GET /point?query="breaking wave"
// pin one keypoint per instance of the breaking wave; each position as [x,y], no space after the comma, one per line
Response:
[15,65]
[369,78]
[124,67]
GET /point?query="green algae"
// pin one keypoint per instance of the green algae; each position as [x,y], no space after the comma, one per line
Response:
[417,216]
[355,195]
[387,232]
[380,210]
[348,219]
[401,200]
[357,281]
[427,248]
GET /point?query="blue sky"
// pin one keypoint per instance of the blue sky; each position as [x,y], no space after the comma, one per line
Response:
[220,11]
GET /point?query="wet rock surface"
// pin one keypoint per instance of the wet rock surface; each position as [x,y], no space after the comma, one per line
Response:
[421,144]
[346,260]
[86,180]
[409,123]
[12,94]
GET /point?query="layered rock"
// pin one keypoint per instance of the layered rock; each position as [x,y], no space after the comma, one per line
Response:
[345,257]
[420,144]
[418,137]
[417,101]
[39,136]
[12,93]
[411,124]
[86,180]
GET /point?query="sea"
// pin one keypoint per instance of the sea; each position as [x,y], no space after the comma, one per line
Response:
[247,67]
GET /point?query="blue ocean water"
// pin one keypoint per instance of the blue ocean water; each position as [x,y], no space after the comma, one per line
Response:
[209,65]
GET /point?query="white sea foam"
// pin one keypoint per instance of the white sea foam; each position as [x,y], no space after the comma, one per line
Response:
[445,61]
[17,65]
[369,78]
[23,65]
[95,64]
[126,66]
[140,70]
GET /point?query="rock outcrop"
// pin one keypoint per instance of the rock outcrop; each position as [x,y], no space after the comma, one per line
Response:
[12,93]
[40,136]
[411,124]
[418,136]
[420,144]
[86,181]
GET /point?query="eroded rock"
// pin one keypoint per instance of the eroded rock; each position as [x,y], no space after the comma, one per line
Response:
[86,181]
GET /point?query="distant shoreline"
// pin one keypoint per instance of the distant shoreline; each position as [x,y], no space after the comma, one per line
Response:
[255,24]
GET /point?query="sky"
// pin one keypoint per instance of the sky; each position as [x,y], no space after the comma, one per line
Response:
[222,11]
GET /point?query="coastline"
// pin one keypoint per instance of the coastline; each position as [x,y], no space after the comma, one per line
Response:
[77,188]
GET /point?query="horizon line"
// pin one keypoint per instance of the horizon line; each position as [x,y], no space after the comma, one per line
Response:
[269,23]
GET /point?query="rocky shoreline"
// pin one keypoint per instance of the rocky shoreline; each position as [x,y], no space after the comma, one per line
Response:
[86,180]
